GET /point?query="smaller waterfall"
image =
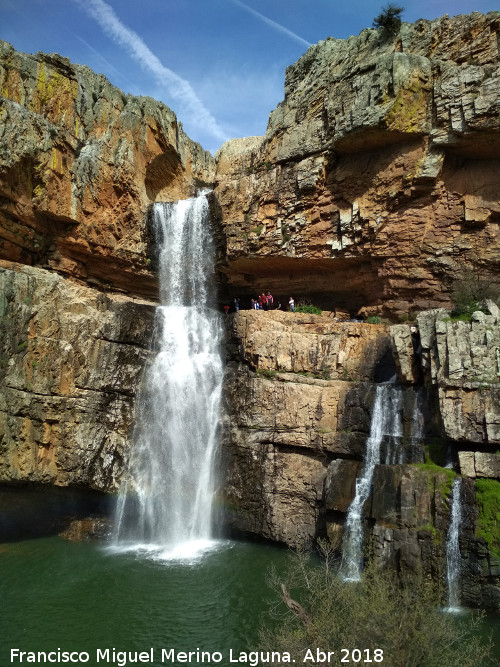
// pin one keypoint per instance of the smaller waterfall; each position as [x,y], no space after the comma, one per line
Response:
[453,557]
[393,428]
[418,419]
[386,421]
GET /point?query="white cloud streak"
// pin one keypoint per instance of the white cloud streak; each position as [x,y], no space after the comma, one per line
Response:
[271,23]
[133,88]
[177,87]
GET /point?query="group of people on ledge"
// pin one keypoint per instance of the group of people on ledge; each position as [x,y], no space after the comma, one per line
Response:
[262,302]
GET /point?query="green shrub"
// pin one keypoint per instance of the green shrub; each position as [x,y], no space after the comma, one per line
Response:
[389,18]
[314,608]
[374,319]
[308,308]
[257,230]
[445,479]
[266,372]
[469,292]
[488,503]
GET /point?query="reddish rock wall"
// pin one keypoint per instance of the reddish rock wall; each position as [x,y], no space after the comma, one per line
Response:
[80,162]
[376,181]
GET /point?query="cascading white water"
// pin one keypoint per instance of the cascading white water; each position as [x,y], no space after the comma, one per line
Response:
[166,502]
[453,557]
[418,420]
[393,408]
[386,421]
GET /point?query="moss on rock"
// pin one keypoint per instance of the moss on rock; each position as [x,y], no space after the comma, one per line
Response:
[488,504]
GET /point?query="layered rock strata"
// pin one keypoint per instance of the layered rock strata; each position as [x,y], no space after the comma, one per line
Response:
[71,360]
[461,360]
[375,184]
[80,162]
[376,181]
[298,389]
[299,396]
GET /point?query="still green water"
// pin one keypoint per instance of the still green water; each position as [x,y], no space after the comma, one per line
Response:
[79,596]
[83,596]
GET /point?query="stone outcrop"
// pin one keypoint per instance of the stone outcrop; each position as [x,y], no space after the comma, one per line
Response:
[299,390]
[316,345]
[71,360]
[376,181]
[461,360]
[289,379]
[80,163]
[299,395]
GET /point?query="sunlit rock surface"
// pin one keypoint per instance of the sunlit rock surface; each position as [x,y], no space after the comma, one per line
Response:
[376,181]
[71,360]
[375,185]
[80,162]
[298,389]
[462,361]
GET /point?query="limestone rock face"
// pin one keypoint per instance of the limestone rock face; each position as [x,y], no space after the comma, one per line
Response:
[285,421]
[462,361]
[294,441]
[411,509]
[376,181]
[80,162]
[71,360]
[311,344]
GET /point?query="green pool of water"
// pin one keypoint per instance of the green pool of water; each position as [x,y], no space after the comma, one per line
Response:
[82,597]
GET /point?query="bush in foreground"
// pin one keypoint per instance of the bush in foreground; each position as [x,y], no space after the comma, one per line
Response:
[316,609]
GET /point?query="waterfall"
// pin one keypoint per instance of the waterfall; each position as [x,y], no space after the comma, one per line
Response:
[385,421]
[166,502]
[453,558]
[393,426]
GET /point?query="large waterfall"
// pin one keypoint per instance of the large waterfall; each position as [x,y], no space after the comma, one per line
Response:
[166,502]
[453,557]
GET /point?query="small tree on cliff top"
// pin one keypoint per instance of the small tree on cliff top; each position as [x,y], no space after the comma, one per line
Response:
[389,18]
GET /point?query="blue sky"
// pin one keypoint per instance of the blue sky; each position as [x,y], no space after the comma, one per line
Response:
[219,64]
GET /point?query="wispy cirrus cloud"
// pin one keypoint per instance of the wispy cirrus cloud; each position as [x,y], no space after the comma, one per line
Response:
[191,107]
[271,23]
[133,88]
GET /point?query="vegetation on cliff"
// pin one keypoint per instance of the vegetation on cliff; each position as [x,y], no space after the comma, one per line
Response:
[389,18]
[470,293]
[378,619]
[488,503]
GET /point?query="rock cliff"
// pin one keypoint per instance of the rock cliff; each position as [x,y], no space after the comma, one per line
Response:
[376,181]
[373,190]
[296,389]
[80,163]
[299,406]
[71,360]
[375,185]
